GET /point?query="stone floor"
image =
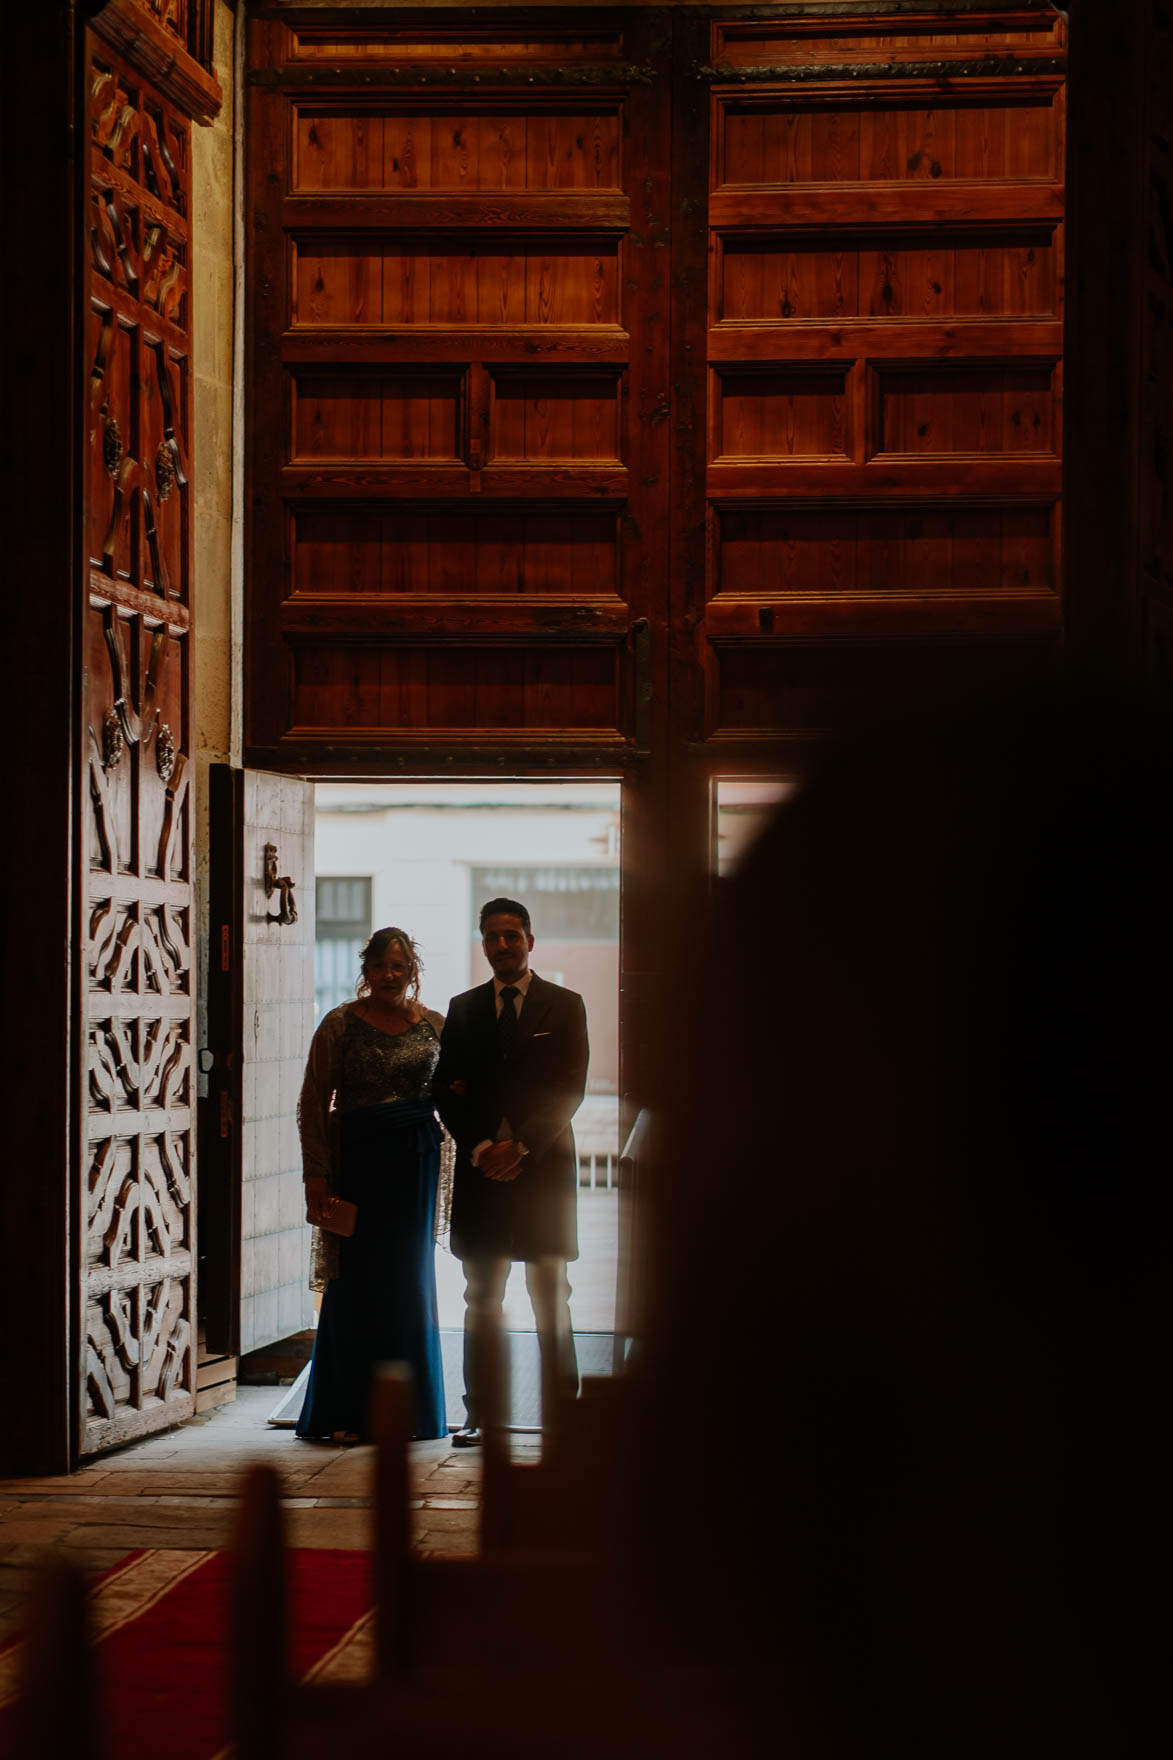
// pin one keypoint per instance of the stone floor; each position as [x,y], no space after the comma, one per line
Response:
[179,1490]
[592,1276]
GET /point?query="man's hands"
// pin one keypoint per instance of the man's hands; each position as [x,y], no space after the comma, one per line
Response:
[501,1160]
[317,1198]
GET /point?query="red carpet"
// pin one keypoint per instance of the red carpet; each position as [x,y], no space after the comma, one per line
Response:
[159,1621]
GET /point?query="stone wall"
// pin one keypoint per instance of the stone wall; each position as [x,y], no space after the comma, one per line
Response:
[216,665]
[217,657]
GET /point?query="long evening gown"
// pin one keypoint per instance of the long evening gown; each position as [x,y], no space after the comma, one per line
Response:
[380,1306]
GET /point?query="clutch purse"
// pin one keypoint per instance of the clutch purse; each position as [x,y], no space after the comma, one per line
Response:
[339,1216]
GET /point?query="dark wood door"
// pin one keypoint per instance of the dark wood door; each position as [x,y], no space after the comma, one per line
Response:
[458,389]
[651,391]
[875,448]
[472,242]
[135,1336]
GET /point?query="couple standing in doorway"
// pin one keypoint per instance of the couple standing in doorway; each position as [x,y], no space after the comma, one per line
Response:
[506,1070]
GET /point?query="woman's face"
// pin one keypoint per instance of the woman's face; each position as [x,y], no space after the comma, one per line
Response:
[390,975]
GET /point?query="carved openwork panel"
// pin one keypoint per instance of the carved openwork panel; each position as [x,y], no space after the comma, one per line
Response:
[139,1034]
[139,1196]
[139,1063]
[173,15]
[138,1346]
[140,192]
[137,1199]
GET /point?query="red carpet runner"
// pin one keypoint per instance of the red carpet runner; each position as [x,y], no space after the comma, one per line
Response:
[159,1621]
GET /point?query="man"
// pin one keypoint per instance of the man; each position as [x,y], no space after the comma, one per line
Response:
[511,1076]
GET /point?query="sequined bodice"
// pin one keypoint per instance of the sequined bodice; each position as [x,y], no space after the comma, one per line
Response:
[375,1068]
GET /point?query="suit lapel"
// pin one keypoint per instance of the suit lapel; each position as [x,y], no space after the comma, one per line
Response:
[536,1006]
[484,1012]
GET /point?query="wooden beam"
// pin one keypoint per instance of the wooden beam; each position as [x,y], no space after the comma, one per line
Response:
[428,617]
[777,207]
[856,616]
[579,211]
[1007,339]
[532,343]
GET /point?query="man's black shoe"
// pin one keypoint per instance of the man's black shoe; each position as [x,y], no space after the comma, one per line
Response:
[469,1437]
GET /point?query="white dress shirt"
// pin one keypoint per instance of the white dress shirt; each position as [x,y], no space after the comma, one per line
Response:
[521,987]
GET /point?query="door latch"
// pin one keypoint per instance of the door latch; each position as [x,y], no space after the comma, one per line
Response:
[274,882]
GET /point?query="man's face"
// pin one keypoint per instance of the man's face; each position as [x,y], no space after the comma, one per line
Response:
[507,946]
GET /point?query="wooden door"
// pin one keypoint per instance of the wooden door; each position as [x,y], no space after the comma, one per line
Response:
[458,389]
[135,1332]
[472,236]
[253,1237]
[872,431]
[652,391]
[459,407]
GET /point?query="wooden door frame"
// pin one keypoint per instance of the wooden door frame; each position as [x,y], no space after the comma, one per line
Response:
[220,1194]
[44,437]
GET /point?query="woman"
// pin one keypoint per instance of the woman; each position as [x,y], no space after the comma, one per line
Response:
[369,1135]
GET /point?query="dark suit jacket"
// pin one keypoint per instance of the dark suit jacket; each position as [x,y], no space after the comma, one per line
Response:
[538,1088]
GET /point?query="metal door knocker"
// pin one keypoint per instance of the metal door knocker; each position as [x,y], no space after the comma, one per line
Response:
[281,883]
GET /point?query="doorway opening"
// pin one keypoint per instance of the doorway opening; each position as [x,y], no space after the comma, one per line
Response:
[426,856]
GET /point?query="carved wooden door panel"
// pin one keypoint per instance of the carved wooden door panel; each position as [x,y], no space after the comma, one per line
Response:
[136,1211]
[254,1239]
[458,379]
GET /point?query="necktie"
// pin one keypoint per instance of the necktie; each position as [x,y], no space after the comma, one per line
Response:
[507,1019]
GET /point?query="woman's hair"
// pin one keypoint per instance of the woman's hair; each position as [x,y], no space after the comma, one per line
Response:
[375,950]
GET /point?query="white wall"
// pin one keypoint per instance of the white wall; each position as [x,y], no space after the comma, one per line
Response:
[418,842]
[278,1020]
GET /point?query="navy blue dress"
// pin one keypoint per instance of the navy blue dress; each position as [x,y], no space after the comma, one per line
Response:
[381,1305]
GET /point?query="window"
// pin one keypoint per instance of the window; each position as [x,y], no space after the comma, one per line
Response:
[343,924]
[566,904]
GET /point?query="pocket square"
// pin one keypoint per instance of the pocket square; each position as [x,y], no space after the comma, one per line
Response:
[544,1035]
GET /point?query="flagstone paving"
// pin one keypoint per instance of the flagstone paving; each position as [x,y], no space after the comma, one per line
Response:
[179,1491]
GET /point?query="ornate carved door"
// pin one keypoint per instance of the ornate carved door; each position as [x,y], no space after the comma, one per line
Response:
[136,1331]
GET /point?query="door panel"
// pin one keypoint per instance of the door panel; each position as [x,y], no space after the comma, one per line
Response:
[883,399]
[136,1312]
[904,40]
[260,1022]
[459,520]
[651,391]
